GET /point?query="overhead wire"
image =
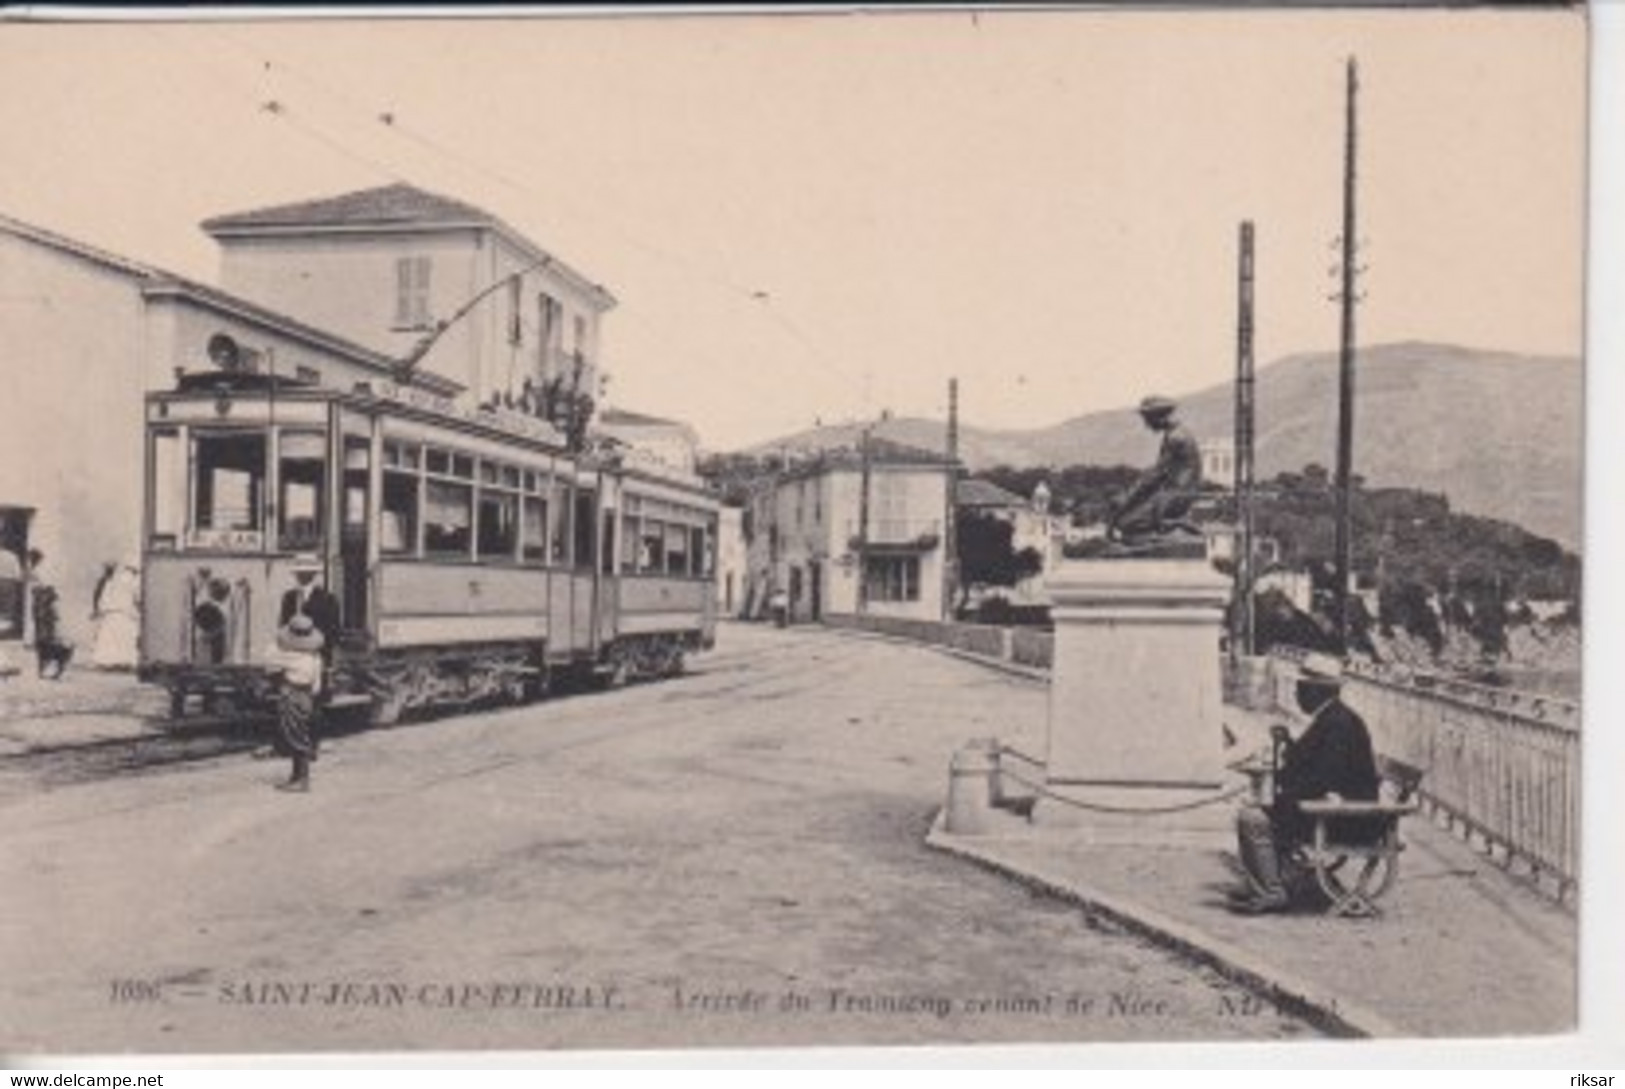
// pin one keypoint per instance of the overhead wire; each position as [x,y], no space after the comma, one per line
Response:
[279,110]
[761,302]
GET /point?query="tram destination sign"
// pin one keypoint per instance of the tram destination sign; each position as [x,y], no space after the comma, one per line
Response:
[513,423]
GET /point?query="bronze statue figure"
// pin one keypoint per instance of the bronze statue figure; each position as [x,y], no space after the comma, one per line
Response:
[1151,513]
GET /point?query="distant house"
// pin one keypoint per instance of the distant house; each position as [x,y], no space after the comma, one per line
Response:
[384,267]
[733,563]
[1032,525]
[1219,462]
[813,535]
[1221,538]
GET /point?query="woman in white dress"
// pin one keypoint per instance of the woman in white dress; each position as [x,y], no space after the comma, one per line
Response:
[118,612]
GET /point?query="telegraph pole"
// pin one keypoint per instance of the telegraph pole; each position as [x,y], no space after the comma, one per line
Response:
[863,522]
[1345,390]
[1242,624]
[950,546]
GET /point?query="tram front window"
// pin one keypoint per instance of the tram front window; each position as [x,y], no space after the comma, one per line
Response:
[303,472]
[230,486]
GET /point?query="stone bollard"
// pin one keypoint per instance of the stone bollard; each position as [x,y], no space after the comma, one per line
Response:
[971,778]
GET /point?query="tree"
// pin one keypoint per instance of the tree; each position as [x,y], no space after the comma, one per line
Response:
[987,555]
[1403,605]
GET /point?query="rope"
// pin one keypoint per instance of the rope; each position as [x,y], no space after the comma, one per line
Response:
[1044,791]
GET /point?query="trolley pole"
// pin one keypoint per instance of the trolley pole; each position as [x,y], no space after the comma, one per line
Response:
[1242,621]
[950,546]
[1345,391]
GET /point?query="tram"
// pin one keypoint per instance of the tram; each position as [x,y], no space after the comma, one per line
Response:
[475,559]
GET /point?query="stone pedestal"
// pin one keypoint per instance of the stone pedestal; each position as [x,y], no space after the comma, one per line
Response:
[1135,735]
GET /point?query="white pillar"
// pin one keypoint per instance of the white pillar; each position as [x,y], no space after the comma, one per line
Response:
[1135,737]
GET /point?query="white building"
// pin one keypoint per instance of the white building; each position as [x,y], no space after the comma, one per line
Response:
[384,267]
[1219,462]
[812,534]
[733,562]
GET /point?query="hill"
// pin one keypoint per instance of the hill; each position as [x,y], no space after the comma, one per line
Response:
[1499,434]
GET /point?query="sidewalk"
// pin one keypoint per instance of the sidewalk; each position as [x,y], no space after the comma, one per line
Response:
[85,707]
[1460,950]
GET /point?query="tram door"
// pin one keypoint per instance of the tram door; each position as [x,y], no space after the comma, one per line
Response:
[353,533]
[583,599]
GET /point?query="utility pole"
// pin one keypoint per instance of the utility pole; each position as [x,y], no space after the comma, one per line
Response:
[950,546]
[863,522]
[1345,390]
[1242,622]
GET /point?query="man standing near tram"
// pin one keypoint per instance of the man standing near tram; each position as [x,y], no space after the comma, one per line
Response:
[307,633]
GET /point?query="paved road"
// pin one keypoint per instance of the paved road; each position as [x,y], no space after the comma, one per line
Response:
[733,858]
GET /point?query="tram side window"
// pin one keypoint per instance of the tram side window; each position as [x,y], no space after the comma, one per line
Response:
[168,489]
[230,481]
[585,529]
[302,471]
[447,519]
[699,548]
[499,525]
[631,545]
[559,526]
[534,540]
[676,550]
[654,546]
[398,524]
[398,529]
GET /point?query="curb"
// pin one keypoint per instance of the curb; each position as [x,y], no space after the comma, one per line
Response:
[1014,669]
[1334,1015]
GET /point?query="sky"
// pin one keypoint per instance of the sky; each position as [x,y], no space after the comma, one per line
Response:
[821,217]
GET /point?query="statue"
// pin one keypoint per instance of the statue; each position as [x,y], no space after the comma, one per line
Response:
[1148,518]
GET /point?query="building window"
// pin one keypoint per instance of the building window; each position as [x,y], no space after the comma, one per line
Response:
[412,293]
[892,578]
[891,508]
[579,328]
[550,316]
[516,324]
